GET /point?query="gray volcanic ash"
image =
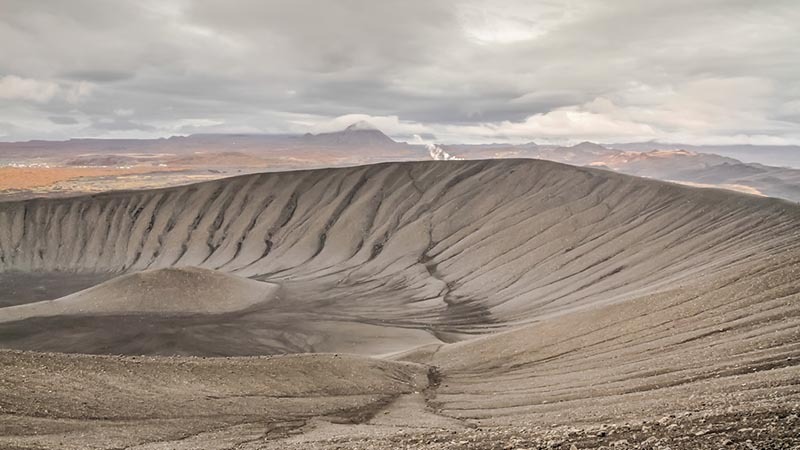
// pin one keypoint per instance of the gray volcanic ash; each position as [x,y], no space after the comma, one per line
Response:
[520,292]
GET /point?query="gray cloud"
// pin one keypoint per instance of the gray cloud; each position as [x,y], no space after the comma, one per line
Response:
[473,70]
[121,124]
[63,120]
[98,76]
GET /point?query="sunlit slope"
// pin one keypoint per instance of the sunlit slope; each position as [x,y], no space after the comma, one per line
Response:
[721,342]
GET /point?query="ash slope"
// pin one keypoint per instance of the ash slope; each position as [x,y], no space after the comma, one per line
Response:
[412,253]
[590,297]
[173,291]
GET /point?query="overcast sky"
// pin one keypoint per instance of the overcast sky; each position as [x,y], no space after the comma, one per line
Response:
[695,71]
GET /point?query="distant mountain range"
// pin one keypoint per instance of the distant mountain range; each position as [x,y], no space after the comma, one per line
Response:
[761,170]
[774,155]
[688,166]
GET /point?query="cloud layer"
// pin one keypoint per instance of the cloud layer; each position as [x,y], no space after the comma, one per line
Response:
[704,71]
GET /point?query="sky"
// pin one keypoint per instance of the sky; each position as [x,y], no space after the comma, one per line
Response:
[698,72]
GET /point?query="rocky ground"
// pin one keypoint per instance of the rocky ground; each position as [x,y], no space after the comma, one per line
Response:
[776,429]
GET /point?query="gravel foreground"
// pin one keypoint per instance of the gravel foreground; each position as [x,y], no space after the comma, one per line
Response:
[778,429]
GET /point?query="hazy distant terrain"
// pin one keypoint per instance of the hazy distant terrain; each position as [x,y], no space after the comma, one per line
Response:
[95,165]
[42,168]
[773,155]
[697,166]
